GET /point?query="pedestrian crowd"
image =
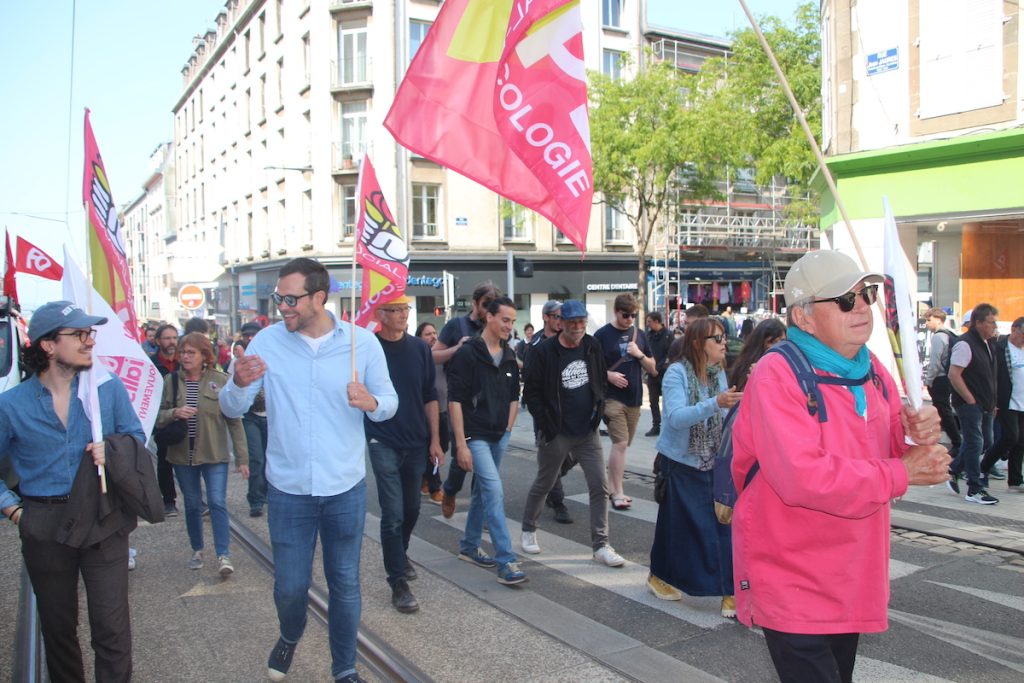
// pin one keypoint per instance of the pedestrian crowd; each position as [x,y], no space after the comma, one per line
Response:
[818,438]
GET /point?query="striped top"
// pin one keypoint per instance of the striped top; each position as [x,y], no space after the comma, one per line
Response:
[192,401]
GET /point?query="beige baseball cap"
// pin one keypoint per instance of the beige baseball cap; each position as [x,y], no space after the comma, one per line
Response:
[824,274]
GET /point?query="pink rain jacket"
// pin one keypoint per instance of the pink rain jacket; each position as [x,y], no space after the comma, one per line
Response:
[811,533]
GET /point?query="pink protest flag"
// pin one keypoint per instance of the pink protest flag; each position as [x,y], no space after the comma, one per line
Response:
[498,93]
[34,261]
[380,249]
[110,274]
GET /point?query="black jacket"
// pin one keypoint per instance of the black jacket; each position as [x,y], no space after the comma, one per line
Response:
[485,391]
[1004,387]
[132,491]
[543,384]
[660,342]
[980,373]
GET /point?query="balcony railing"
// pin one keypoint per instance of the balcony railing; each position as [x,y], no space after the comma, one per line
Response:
[352,73]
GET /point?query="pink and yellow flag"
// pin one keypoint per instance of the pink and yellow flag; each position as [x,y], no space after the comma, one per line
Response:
[498,93]
[380,249]
[110,275]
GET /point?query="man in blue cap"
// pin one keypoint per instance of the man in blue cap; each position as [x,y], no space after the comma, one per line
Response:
[44,430]
[565,390]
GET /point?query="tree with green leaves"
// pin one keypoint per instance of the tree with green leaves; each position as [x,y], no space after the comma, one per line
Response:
[642,136]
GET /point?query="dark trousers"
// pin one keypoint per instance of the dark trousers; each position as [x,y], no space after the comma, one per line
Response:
[800,658]
[399,472]
[941,392]
[165,475]
[654,391]
[54,570]
[255,427]
[1010,446]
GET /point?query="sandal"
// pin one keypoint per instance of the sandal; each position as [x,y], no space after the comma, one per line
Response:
[620,502]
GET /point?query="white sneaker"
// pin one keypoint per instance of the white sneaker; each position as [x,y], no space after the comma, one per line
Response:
[225,566]
[197,560]
[528,543]
[607,556]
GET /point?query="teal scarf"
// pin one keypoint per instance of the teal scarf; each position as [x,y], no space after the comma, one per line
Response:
[824,358]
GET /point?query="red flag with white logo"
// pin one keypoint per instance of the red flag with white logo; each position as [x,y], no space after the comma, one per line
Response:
[498,93]
[10,286]
[34,261]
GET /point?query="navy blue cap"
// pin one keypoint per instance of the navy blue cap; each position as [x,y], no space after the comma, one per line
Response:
[573,309]
[57,315]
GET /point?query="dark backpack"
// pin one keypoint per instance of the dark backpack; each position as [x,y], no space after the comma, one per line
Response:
[951,339]
[723,489]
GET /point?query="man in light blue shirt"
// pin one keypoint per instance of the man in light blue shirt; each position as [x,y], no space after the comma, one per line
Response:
[44,430]
[316,468]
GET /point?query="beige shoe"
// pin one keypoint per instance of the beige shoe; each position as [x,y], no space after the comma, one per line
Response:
[729,606]
[662,590]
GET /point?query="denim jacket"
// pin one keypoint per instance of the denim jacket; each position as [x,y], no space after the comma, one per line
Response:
[677,416]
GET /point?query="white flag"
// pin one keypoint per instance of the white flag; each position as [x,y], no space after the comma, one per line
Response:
[900,318]
[118,353]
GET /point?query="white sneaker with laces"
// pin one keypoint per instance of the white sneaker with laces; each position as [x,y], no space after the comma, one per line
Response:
[607,556]
[528,543]
[226,569]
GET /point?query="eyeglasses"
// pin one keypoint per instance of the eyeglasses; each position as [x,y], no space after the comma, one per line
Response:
[289,299]
[188,352]
[554,316]
[400,309]
[83,335]
[847,301]
[719,338]
[626,315]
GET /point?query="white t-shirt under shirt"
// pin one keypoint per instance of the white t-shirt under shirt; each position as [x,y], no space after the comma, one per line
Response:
[1016,370]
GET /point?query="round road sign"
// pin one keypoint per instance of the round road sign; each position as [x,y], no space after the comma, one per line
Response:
[192,297]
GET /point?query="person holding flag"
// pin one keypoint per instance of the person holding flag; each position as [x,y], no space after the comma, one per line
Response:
[44,430]
[321,377]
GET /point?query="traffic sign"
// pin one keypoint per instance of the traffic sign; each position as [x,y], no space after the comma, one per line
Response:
[192,297]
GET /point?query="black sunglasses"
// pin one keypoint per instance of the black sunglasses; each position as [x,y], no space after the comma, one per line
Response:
[627,315]
[847,301]
[289,299]
[719,338]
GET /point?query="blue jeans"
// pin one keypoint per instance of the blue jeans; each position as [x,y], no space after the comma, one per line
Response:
[216,477]
[256,437]
[487,500]
[399,472]
[295,522]
[976,438]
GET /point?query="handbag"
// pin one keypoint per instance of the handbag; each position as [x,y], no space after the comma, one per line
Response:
[175,431]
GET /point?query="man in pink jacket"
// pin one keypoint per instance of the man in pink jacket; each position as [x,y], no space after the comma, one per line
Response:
[811,531]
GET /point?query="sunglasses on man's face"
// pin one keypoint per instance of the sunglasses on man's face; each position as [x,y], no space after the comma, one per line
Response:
[289,299]
[847,301]
[627,315]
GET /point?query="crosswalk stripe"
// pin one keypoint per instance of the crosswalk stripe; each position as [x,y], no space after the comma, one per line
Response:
[1011,601]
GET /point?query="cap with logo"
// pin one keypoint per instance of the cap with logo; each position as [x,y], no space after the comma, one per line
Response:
[825,274]
[57,315]
[573,309]
[551,306]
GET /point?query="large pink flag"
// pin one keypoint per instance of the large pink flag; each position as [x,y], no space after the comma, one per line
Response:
[380,249]
[110,274]
[498,93]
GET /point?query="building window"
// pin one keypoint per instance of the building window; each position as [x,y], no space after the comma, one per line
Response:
[247,111]
[351,56]
[614,224]
[417,34]
[261,29]
[611,64]
[611,13]
[425,198]
[246,50]
[261,99]
[353,130]
[305,59]
[347,209]
[514,220]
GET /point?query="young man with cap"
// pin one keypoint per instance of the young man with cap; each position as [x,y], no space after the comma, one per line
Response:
[811,528]
[398,447]
[44,431]
[565,387]
[552,315]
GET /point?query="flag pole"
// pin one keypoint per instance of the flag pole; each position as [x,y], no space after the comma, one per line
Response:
[94,391]
[822,166]
[355,247]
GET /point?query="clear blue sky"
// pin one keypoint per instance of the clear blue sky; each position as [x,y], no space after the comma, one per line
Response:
[128,56]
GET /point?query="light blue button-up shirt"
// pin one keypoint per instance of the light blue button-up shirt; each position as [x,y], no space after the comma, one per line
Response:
[316,441]
[44,452]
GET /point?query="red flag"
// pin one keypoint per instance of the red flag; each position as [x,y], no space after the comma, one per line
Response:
[10,288]
[380,249]
[498,93]
[35,261]
[110,274]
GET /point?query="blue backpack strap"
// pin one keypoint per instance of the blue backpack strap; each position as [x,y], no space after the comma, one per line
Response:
[805,376]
